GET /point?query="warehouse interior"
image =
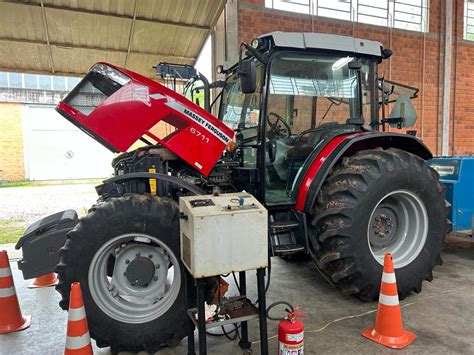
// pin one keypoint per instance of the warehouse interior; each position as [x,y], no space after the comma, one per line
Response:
[236,176]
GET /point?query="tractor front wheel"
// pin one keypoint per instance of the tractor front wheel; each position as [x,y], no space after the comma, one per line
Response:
[125,253]
[376,202]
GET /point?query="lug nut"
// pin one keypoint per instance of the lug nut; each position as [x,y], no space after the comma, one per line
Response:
[157,266]
[150,256]
[155,278]
[127,261]
[138,254]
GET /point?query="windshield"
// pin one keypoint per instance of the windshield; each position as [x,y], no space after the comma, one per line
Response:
[308,90]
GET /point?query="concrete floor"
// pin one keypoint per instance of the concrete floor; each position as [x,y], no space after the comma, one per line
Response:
[441,316]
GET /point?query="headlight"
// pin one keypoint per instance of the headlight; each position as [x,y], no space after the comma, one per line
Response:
[111,73]
[256,43]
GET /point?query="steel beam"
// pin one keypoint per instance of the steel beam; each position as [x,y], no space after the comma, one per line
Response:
[132,29]
[46,31]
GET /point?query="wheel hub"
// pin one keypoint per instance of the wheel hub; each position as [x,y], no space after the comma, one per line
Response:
[384,226]
[140,271]
[398,225]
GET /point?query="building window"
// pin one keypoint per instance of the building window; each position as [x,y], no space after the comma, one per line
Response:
[44,82]
[31,81]
[59,83]
[37,81]
[405,14]
[15,80]
[3,80]
[469,20]
[72,82]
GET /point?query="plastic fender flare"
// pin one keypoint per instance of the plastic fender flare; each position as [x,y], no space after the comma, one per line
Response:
[158,176]
[346,146]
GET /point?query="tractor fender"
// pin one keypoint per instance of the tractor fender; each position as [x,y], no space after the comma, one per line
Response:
[345,145]
[114,183]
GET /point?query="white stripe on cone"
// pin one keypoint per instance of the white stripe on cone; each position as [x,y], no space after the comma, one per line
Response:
[5,272]
[73,343]
[7,292]
[388,278]
[388,300]
[77,313]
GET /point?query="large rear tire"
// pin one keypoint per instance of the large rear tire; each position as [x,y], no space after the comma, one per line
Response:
[125,253]
[375,202]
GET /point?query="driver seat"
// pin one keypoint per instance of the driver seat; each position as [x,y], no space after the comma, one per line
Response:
[298,154]
[301,150]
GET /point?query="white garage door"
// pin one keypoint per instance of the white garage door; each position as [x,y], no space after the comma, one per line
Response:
[55,149]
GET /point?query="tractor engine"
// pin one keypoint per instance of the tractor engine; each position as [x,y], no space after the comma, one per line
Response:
[158,159]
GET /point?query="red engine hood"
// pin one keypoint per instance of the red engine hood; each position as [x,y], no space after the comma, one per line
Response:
[132,111]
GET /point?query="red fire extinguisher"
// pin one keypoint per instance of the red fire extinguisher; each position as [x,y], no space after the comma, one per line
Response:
[291,334]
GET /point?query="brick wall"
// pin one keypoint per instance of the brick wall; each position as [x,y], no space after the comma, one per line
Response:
[11,142]
[417,61]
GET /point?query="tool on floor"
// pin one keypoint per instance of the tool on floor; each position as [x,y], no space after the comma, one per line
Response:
[11,319]
[78,341]
[47,280]
[388,329]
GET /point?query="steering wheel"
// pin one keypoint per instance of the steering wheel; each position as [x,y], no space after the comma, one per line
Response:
[276,130]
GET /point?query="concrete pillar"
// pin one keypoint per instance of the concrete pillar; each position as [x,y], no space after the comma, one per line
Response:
[446,104]
[225,46]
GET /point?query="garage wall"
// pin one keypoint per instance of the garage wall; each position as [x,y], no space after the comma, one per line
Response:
[417,60]
[11,142]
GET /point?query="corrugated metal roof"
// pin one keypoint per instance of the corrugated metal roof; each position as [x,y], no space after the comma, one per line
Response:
[68,36]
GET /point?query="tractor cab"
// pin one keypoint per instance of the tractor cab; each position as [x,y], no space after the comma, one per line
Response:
[306,88]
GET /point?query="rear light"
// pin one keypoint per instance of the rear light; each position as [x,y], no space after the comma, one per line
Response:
[111,73]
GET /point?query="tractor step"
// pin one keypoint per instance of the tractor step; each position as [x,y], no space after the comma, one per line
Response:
[288,249]
[279,226]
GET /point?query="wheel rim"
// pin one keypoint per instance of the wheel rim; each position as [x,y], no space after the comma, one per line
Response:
[398,225]
[144,283]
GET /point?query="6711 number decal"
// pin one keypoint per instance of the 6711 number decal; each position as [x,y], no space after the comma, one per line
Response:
[199,135]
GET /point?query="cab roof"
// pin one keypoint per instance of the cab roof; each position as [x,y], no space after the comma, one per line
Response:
[311,40]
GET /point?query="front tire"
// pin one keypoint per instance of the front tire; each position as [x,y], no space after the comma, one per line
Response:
[125,253]
[372,203]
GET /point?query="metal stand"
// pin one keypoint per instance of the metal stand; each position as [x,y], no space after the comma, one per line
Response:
[199,287]
[262,311]
[244,328]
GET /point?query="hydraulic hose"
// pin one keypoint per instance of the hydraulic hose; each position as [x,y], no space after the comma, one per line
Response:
[274,304]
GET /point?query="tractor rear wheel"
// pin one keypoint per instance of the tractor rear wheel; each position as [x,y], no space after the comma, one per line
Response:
[125,253]
[376,202]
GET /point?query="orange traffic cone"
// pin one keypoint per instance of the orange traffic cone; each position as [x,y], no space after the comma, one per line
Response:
[78,341]
[11,319]
[44,281]
[388,329]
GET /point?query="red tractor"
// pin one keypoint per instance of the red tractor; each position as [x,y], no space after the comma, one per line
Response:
[298,127]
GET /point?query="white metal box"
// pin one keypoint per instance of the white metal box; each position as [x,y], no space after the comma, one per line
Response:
[224,233]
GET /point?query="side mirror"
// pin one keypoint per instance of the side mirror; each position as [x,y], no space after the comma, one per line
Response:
[248,76]
[403,113]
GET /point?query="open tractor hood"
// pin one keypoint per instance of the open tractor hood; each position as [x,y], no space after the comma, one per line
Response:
[118,107]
